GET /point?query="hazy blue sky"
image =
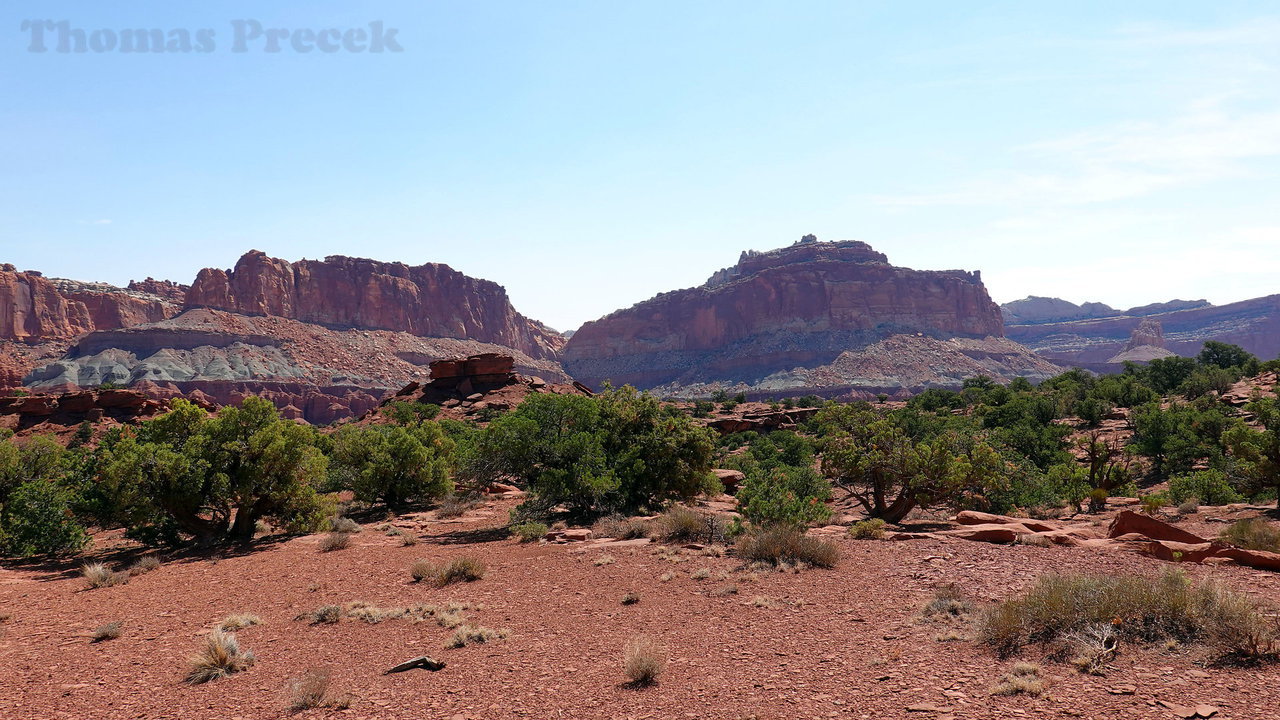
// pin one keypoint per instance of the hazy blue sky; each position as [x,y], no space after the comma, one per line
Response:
[587,155]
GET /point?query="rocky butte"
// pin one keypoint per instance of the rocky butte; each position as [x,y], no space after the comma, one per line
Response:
[323,340]
[795,319]
[431,300]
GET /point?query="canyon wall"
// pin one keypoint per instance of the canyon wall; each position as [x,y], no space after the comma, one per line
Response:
[431,300]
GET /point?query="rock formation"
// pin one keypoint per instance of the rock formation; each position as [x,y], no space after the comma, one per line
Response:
[778,312]
[36,309]
[309,371]
[1252,324]
[1146,343]
[431,300]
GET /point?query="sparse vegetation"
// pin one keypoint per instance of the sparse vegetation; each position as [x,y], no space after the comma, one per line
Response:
[682,524]
[869,529]
[644,660]
[326,615]
[98,575]
[621,528]
[457,505]
[786,545]
[343,525]
[1253,534]
[473,635]
[309,691]
[335,541]
[1139,608]
[220,656]
[238,621]
[1022,679]
[108,631]
[948,602]
[144,565]
[605,559]
[530,531]
[459,569]
[631,598]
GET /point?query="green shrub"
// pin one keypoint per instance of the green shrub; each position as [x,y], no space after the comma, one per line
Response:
[779,545]
[530,531]
[1253,534]
[37,520]
[215,477]
[1136,608]
[410,413]
[393,464]
[793,496]
[869,529]
[619,451]
[1209,487]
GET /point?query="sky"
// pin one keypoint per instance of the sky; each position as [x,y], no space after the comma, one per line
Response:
[588,155]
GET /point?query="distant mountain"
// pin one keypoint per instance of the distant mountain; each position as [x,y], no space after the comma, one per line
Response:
[1035,309]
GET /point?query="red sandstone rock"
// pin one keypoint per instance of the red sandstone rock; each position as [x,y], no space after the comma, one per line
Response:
[1128,521]
[34,308]
[430,300]
[797,306]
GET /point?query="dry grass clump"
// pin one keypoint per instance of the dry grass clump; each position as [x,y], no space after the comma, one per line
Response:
[448,615]
[605,559]
[221,656]
[870,529]
[1137,608]
[343,525]
[1023,679]
[238,621]
[685,525]
[466,635]
[631,598]
[1253,534]
[621,528]
[455,505]
[948,602]
[144,565]
[109,631]
[335,541]
[100,576]
[725,591]
[459,569]
[776,546]
[643,661]
[325,615]
[701,574]
[309,691]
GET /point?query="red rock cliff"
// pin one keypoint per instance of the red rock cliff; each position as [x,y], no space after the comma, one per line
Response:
[775,310]
[32,309]
[431,300]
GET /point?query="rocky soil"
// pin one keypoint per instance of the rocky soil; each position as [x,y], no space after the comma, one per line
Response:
[741,643]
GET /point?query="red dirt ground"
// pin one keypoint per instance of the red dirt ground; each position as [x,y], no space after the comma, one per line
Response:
[841,643]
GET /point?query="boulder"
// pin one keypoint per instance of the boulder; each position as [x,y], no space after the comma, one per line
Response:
[993,533]
[1127,522]
[731,479]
